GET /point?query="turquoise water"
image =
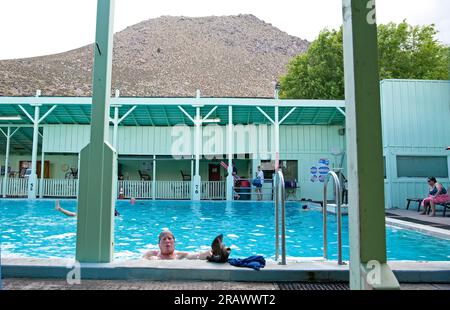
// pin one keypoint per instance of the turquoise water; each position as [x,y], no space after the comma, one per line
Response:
[35,229]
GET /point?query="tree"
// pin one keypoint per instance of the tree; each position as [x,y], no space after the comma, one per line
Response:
[405,52]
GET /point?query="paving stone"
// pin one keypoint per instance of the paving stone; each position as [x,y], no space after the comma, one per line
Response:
[47,284]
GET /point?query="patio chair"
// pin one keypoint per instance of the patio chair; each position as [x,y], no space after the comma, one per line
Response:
[185,177]
[445,205]
[144,176]
[3,170]
[418,200]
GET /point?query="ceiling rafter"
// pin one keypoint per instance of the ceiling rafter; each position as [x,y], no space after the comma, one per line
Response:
[147,109]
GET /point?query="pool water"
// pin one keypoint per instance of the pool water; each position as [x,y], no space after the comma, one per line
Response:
[36,229]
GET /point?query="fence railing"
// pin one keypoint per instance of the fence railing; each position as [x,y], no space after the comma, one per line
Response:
[213,190]
[135,189]
[17,188]
[178,190]
[67,188]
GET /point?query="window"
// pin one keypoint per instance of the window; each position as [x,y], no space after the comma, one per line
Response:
[422,166]
[289,168]
[268,167]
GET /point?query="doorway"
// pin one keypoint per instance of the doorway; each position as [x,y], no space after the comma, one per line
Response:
[214,172]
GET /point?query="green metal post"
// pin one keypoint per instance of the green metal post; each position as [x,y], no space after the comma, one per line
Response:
[368,268]
[95,228]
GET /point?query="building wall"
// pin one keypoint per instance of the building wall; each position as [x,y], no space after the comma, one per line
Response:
[169,170]
[57,163]
[307,144]
[416,122]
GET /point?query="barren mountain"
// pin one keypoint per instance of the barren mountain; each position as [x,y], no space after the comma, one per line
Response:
[226,56]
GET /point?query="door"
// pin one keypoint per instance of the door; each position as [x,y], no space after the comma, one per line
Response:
[214,172]
[24,165]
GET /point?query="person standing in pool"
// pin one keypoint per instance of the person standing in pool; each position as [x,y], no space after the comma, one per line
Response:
[167,249]
[73,214]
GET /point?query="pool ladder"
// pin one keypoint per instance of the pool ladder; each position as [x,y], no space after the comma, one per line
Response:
[280,198]
[338,192]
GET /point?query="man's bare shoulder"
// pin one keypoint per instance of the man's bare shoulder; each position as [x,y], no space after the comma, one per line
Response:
[152,254]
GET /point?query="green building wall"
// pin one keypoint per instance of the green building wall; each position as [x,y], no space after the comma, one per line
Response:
[416,122]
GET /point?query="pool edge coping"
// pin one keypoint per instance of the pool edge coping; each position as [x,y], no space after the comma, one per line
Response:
[311,271]
[420,228]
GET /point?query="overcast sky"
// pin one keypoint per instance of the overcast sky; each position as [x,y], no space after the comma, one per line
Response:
[41,27]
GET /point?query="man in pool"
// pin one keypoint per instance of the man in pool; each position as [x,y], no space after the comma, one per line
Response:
[167,249]
[73,214]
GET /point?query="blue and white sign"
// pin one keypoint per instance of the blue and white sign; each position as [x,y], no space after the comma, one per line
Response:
[314,170]
[324,170]
[324,161]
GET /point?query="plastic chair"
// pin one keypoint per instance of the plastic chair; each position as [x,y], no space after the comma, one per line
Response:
[185,177]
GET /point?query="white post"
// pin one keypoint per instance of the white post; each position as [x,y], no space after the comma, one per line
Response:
[115,138]
[196,184]
[32,181]
[41,181]
[230,182]
[154,178]
[5,177]
[277,138]
[115,126]
[192,167]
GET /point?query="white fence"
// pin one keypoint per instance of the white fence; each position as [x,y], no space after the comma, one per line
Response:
[68,188]
[17,188]
[213,190]
[173,190]
[136,189]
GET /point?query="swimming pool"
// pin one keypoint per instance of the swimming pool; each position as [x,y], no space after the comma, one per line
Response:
[35,229]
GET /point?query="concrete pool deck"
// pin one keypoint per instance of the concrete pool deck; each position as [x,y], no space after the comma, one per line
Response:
[313,270]
[411,220]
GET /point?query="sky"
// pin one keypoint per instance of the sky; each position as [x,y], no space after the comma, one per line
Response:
[31,28]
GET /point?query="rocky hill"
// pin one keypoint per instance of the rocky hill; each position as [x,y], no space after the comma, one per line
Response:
[235,56]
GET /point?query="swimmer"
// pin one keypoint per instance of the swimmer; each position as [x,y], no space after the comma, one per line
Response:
[73,214]
[167,250]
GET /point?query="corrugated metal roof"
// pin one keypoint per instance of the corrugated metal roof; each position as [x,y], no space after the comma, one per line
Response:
[161,115]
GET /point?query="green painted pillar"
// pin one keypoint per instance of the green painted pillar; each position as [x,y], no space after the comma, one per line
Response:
[367,227]
[95,227]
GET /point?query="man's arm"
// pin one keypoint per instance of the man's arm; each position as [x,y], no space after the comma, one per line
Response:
[193,256]
[68,213]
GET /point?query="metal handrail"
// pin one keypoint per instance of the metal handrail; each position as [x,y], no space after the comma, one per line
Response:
[280,180]
[337,187]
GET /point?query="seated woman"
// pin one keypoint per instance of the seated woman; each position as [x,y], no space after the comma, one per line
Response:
[437,194]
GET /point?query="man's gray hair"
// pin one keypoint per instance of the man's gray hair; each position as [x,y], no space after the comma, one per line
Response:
[164,233]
